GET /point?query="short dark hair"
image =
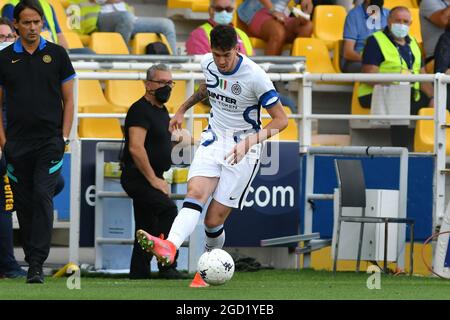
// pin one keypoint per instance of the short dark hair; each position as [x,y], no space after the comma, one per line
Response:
[7,22]
[30,4]
[223,37]
[397,8]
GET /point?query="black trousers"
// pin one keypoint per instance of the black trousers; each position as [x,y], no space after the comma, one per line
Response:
[401,136]
[154,212]
[33,167]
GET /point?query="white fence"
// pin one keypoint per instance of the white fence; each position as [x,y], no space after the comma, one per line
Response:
[304,118]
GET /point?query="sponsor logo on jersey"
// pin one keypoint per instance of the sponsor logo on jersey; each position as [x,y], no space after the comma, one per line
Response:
[221,97]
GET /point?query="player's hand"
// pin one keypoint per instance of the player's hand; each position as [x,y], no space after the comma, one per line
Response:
[161,185]
[176,122]
[238,152]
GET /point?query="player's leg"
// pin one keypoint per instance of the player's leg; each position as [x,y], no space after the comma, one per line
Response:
[199,190]
[214,220]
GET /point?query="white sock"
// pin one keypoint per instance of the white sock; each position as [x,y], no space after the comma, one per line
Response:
[185,222]
[215,237]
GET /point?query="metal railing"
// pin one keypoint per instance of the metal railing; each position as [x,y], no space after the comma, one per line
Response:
[304,118]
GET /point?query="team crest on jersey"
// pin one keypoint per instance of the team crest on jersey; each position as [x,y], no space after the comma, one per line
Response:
[236,89]
[47,58]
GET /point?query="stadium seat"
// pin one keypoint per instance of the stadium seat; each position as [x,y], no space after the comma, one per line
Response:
[337,55]
[356,107]
[123,93]
[99,128]
[328,24]
[194,5]
[291,131]
[414,29]
[65,3]
[90,94]
[108,43]
[316,54]
[424,133]
[177,97]
[60,15]
[73,40]
[141,40]
[389,4]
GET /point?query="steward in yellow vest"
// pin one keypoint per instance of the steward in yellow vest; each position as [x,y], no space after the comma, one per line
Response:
[392,50]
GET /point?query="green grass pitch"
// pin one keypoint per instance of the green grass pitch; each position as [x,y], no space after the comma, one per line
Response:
[261,285]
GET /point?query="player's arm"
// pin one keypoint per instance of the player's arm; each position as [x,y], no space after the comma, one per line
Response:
[2,129]
[67,96]
[139,154]
[278,123]
[199,95]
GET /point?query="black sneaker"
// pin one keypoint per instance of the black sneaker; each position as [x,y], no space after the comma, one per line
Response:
[35,274]
[173,274]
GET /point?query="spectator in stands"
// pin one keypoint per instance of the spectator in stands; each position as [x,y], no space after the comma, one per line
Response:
[220,12]
[39,122]
[116,16]
[146,155]
[9,267]
[267,20]
[434,19]
[442,58]
[392,50]
[360,23]
[51,24]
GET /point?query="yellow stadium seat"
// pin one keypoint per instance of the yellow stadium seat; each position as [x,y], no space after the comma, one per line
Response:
[108,43]
[414,29]
[90,94]
[200,5]
[328,23]
[65,3]
[424,133]
[194,5]
[99,128]
[177,97]
[60,15]
[85,39]
[389,4]
[356,107]
[291,131]
[141,40]
[123,93]
[73,40]
[316,54]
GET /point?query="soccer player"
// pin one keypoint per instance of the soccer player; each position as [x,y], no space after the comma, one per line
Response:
[227,159]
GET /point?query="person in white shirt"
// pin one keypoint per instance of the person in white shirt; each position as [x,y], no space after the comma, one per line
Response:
[227,159]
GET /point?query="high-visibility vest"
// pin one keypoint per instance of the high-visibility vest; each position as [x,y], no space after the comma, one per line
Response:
[48,14]
[207,27]
[89,12]
[394,63]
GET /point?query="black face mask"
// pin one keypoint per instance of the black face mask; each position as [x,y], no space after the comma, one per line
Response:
[379,3]
[162,94]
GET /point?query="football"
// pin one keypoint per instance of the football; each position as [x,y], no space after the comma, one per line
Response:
[216,267]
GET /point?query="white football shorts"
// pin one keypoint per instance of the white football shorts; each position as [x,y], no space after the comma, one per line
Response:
[234,180]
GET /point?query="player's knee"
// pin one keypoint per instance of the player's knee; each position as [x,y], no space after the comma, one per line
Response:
[196,193]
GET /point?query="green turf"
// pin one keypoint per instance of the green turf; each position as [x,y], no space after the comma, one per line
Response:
[265,284]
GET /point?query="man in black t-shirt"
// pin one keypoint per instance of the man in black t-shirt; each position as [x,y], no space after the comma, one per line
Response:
[36,81]
[146,155]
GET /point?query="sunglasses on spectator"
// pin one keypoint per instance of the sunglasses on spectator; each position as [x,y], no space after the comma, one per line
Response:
[219,9]
[164,83]
[8,37]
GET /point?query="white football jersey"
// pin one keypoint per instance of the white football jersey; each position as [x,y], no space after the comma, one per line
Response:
[236,97]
